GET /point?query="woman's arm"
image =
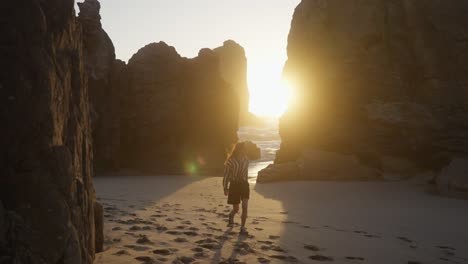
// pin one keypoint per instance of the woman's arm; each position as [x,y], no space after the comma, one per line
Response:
[226,178]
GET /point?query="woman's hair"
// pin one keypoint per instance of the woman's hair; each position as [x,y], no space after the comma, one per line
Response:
[237,151]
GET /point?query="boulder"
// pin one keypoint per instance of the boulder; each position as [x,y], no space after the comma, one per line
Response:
[279,172]
[319,165]
[453,179]
[46,167]
[253,151]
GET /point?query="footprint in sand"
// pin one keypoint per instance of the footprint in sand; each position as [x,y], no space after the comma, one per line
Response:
[117,228]
[201,255]
[181,240]
[355,258]
[263,260]
[285,258]
[159,215]
[405,239]
[183,260]
[161,228]
[259,229]
[170,220]
[320,258]
[121,252]
[144,240]
[265,248]
[446,248]
[137,248]
[278,249]
[180,227]
[372,236]
[174,232]
[162,252]
[311,247]
[186,222]
[274,237]
[231,261]
[190,233]
[214,229]
[135,228]
[208,243]
[193,229]
[360,232]
[243,248]
[117,240]
[198,249]
[146,259]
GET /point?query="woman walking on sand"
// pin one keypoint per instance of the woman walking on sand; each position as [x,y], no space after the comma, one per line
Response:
[236,185]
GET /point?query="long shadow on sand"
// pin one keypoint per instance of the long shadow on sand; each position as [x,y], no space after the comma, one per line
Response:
[376,222]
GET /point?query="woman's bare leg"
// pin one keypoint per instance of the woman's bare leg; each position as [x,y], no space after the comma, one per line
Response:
[245,206]
[235,209]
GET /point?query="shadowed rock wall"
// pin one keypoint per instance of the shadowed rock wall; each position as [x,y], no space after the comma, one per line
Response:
[105,80]
[378,79]
[47,198]
[179,114]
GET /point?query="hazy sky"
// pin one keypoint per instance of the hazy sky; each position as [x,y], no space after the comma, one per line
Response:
[260,26]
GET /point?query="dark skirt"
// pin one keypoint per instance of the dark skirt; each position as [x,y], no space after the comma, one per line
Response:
[238,191]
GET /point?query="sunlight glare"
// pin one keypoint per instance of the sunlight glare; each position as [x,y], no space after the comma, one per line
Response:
[270,95]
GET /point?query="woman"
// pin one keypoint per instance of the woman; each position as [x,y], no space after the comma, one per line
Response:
[235,183]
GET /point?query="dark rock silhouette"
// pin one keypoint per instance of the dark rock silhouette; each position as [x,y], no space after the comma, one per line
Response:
[233,68]
[252,150]
[47,197]
[178,114]
[383,81]
[104,79]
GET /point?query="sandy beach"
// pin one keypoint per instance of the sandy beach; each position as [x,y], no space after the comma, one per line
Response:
[178,219]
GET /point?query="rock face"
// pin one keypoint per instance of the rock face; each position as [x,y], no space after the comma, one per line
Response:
[453,179]
[378,79]
[105,80]
[319,165]
[46,193]
[178,114]
[233,68]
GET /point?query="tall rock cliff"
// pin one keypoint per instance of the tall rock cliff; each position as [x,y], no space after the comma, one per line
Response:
[379,80]
[47,199]
[233,68]
[104,78]
[178,115]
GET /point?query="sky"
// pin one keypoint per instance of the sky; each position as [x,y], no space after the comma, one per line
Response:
[260,26]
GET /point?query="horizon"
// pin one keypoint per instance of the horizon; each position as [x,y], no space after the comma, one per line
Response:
[263,33]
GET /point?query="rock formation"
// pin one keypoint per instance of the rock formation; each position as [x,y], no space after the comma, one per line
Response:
[105,83]
[179,114]
[47,199]
[378,79]
[233,68]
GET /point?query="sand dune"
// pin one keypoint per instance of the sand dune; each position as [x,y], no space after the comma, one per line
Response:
[183,220]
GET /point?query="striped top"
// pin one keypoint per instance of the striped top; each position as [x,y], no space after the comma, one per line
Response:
[235,170]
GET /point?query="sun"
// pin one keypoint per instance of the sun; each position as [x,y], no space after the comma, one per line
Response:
[270,98]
